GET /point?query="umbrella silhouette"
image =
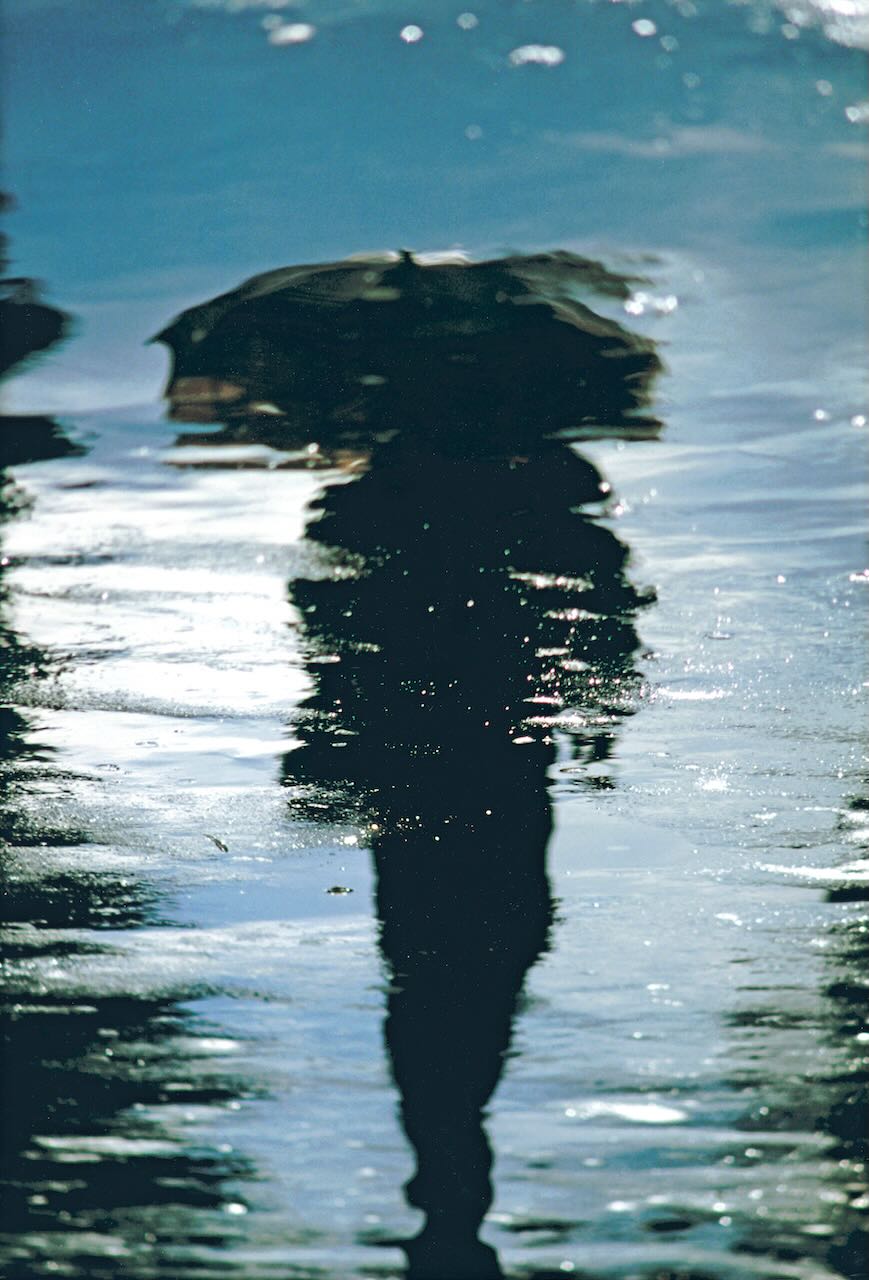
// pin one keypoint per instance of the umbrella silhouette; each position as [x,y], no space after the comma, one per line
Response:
[461,354]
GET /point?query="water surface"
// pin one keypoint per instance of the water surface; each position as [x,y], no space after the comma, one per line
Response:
[651,953]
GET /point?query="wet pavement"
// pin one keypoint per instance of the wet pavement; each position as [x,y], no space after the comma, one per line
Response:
[469,841]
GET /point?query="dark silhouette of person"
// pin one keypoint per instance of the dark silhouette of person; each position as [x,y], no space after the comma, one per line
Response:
[484,609]
[476,617]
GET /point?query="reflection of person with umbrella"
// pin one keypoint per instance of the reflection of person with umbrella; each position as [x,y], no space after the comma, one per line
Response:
[470,357]
[457,667]
[481,613]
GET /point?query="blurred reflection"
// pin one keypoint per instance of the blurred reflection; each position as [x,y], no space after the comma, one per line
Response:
[474,610]
[472,358]
[478,611]
[844,1087]
[93,1181]
[87,1158]
[476,617]
[824,1092]
[28,327]
[21,760]
[86,1168]
[847,1091]
[32,438]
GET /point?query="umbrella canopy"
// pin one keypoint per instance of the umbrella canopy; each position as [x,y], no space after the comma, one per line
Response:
[441,347]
